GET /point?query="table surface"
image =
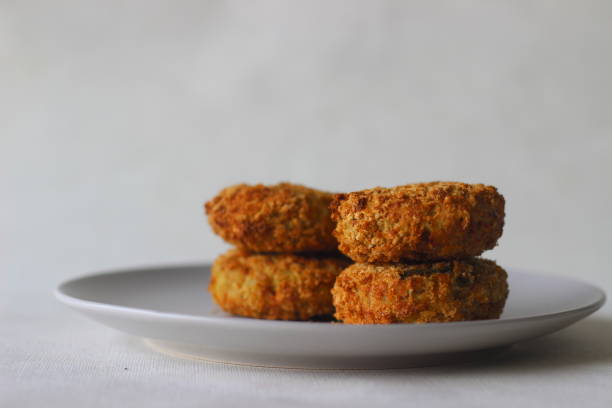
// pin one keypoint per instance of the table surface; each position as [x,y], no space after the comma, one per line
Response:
[53,356]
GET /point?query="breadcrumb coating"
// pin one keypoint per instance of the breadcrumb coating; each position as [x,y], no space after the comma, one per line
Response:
[471,289]
[279,218]
[275,287]
[418,222]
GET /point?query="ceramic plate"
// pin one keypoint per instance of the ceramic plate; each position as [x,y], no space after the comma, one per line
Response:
[170,307]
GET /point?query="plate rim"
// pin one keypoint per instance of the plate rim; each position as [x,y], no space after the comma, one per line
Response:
[79,303]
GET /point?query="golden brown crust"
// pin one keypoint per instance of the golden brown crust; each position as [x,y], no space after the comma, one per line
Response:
[471,289]
[280,218]
[275,287]
[418,222]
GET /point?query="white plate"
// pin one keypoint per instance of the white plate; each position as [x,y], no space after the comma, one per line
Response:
[172,309]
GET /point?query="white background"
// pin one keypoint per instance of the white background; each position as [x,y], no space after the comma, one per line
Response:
[119,119]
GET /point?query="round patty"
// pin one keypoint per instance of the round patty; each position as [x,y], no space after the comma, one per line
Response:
[279,218]
[276,287]
[418,222]
[471,289]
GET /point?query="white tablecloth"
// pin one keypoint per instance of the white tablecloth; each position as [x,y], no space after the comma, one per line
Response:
[53,357]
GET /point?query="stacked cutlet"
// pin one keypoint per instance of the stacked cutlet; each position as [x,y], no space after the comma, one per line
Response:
[416,249]
[286,259]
